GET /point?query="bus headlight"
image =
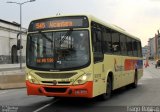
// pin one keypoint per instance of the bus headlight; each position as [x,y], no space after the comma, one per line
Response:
[83,79]
[31,79]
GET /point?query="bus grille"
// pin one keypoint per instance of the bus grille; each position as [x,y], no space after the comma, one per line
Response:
[55,90]
[51,82]
[56,75]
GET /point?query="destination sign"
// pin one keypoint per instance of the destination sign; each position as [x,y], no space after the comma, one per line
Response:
[45,60]
[59,23]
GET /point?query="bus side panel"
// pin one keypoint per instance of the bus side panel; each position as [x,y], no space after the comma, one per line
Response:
[131,64]
[128,70]
[99,85]
[140,68]
[123,69]
[113,64]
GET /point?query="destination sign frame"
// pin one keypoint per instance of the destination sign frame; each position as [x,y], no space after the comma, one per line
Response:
[59,23]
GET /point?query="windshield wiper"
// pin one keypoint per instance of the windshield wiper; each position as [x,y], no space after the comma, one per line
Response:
[68,33]
[45,36]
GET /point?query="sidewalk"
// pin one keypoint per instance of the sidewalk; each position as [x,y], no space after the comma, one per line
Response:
[3,67]
[11,76]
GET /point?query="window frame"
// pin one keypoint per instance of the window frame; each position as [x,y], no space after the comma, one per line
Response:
[95,29]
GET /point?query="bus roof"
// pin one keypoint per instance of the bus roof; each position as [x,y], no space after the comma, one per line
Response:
[92,18]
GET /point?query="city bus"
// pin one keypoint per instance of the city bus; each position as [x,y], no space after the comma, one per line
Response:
[80,56]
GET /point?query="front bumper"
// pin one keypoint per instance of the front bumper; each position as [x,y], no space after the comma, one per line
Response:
[84,90]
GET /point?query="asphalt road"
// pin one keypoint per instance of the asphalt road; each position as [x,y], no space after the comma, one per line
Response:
[123,100]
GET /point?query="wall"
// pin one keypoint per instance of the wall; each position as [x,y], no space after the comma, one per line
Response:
[145,52]
[151,44]
[8,38]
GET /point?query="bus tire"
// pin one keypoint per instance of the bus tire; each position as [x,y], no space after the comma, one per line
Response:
[107,95]
[135,83]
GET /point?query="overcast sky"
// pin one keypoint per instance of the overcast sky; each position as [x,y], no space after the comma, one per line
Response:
[138,17]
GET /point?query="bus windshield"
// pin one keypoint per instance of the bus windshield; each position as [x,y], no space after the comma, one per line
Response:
[58,50]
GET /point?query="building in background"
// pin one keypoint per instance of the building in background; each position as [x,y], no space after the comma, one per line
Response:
[8,42]
[154,46]
[145,52]
[151,48]
[158,45]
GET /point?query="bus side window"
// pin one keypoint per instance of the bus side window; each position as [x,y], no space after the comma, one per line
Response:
[139,49]
[129,46]
[135,48]
[123,43]
[116,43]
[97,45]
[107,41]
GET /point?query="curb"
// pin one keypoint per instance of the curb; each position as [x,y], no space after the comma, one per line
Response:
[12,86]
[14,80]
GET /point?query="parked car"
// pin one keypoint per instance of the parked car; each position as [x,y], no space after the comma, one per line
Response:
[157,63]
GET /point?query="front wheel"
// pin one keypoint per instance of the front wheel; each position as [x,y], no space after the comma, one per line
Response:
[107,95]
